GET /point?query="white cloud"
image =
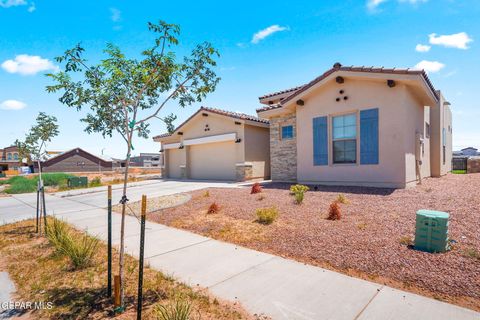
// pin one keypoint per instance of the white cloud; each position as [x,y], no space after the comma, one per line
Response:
[422,48]
[373,4]
[12,3]
[430,66]
[12,105]
[262,34]
[25,64]
[457,40]
[32,7]
[116,14]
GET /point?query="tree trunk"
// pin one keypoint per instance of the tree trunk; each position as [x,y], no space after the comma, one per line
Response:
[122,228]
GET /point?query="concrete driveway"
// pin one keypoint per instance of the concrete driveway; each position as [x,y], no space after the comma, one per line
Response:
[262,283]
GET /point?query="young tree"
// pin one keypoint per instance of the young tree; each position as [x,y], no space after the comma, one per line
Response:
[33,147]
[124,94]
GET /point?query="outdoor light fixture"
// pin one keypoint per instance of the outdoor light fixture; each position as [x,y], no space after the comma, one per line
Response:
[391,83]
[180,133]
[340,79]
[181,146]
[238,140]
[300,102]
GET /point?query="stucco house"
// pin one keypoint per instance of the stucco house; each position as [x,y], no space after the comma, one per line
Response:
[359,126]
[76,160]
[214,144]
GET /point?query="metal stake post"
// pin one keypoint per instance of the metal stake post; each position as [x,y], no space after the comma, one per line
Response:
[38,206]
[142,249]
[109,286]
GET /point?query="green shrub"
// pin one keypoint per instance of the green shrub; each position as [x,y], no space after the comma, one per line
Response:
[95,182]
[298,192]
[21,184]
[266,215]
[342,199]
[206,194]
[181,309]
[80,249]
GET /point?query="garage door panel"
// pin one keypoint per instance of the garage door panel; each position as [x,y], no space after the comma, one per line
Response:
[213,161]
[174,158]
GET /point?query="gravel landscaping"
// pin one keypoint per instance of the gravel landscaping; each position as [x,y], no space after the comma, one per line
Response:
[371,241]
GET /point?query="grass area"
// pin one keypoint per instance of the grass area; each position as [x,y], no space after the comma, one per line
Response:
[459,171]
[41,273]
[22,184]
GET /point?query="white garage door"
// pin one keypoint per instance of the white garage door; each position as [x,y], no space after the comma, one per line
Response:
[173,163]
[213,161]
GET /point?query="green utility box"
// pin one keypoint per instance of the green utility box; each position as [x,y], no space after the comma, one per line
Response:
[2,175]
[77,182]
[431,231]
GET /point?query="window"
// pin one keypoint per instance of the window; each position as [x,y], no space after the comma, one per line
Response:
[344,139]
[427,130]
[15,156]
[287,132]
[9,156]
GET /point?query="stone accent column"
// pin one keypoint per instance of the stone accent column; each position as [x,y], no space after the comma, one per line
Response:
[283,153]
[244,171]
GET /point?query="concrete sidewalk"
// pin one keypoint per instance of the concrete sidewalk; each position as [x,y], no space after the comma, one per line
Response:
[262,283]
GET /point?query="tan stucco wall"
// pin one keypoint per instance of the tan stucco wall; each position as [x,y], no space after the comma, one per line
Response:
[174,159]
[393,132]
[416,116]
[257,150]
[441,117]
[228,156]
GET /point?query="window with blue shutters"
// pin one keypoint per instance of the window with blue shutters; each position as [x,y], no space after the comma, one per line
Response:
[344,138]
[369,136]
[320,141]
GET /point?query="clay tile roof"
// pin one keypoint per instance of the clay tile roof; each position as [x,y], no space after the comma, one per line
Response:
[231,114]
[268,95]
[339,67]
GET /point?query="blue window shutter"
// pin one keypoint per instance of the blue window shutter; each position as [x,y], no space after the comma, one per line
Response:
[320,141]
[369,136]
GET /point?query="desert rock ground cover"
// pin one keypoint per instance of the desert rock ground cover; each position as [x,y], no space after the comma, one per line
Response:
[372,240]
[41,274]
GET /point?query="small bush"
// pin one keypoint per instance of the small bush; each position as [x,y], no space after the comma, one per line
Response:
[266,215]
[362,226]
[406,241]
[342,199]
[298,192]
[79,249]
[256,188]
[206,194]
[334,213]
[181,309]
[95,182]
[472,253]
[213,208]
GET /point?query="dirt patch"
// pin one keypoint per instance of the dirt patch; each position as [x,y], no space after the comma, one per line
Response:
[370,241]
[40,274]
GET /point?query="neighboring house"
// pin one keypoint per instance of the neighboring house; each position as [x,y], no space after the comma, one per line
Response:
[9,159]
[217,145]
[467,152]
[146,160]
[359,126]
[76,160]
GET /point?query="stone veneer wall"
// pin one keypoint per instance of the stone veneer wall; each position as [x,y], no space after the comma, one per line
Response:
[244,172]
[283,153]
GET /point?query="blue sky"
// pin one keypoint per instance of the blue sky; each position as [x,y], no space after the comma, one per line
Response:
[265,46]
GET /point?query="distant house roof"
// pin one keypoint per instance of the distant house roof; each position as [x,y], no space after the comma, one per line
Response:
[231,114]
[470,148]
[338,67]
[64,155]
